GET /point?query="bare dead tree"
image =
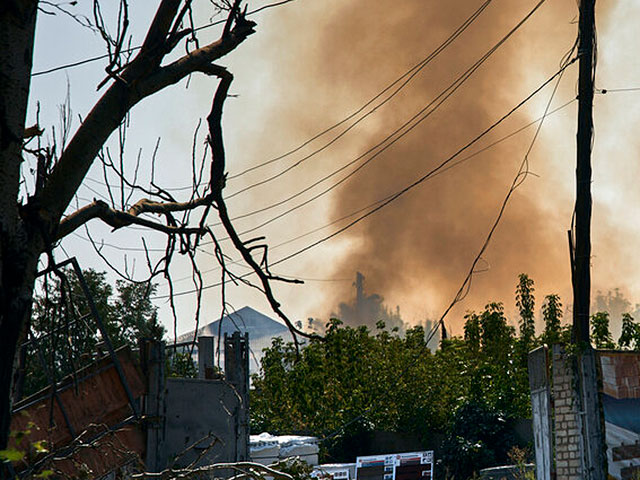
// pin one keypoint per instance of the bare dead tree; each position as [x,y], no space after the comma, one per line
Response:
[33,222]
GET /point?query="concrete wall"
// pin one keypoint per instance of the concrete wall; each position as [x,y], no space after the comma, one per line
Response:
[203,420]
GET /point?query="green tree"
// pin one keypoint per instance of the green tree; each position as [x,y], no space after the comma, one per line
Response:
[383,381]
[334,381]
[181,365]
[526,303]
[600,334]
[62,304]
[68,333]
[357,382]
[133,313]
[630,334]
[501,372]
[478,436]
[496,336]
[552,315]
[472,331]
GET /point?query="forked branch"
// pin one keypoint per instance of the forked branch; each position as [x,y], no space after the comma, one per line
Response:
[119,219]
[142,77]
[218,162]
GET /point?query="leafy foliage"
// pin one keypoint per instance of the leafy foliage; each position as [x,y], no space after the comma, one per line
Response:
[133,314]
[467,393]
[181,365]
[478,437]
[526,303]
[24,451]
[298,469]
[630,335]
[357,382]
[600,334]
[69,335]
[552,314]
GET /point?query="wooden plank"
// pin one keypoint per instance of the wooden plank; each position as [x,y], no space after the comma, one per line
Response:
[541,411]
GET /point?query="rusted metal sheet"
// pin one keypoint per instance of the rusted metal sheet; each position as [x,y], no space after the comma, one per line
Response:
[98,409]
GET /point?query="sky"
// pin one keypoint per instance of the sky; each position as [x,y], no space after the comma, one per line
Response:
[310,65]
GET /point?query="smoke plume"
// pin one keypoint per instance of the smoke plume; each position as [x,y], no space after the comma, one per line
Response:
[417,251]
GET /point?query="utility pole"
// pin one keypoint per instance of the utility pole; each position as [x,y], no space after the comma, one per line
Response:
[593,446]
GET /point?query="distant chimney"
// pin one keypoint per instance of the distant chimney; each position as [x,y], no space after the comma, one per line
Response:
[236,358]
[360,297]
[205,357]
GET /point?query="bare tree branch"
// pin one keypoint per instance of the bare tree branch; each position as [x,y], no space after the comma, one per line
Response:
[119,219]
[138,83]
[217,184]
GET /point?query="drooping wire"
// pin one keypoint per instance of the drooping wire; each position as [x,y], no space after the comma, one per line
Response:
[403,80]
[426,176]
[355,212]
[361,209]
[409,187]
[520,176]
[390,139]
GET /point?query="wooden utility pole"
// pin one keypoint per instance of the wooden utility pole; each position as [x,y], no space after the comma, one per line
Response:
[593,451]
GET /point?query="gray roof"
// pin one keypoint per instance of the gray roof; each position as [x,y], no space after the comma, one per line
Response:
[245,320]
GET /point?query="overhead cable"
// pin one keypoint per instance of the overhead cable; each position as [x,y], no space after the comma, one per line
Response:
[134,49]
[389,140]
[431,173]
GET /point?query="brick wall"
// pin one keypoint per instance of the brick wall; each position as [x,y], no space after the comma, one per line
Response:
[567,439]
[620,374]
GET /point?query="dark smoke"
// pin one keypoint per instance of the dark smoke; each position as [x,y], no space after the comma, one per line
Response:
[416,252]
[419,249]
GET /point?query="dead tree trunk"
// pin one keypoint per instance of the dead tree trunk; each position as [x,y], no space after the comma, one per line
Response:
[31,222]
[17,260]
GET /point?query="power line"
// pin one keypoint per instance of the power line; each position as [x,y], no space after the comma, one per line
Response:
[520,177]
[353,213]
[411,73]
[439,168]
[517,181]
[362,209]
[407,188]
[425,176]
[389,140]
[404,80]
[407,77]
[452,165]
[134,49]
